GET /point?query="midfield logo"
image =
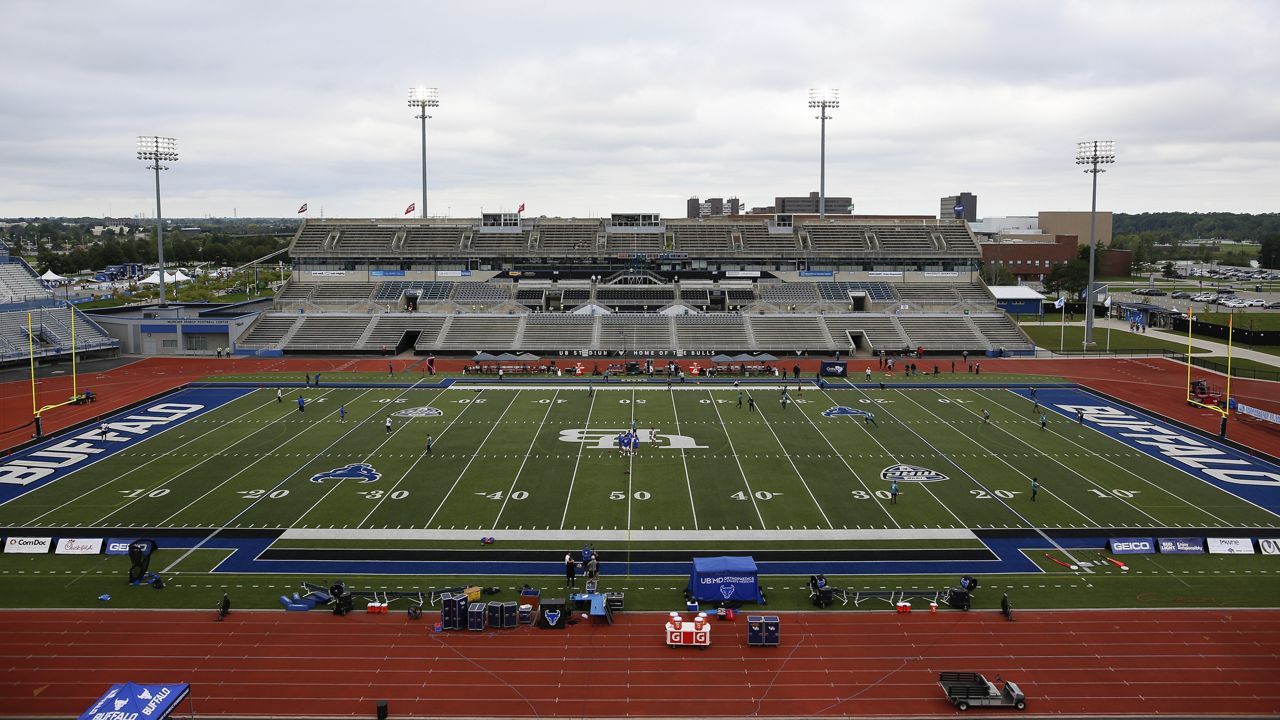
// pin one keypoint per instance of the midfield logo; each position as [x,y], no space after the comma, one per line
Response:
[607,438]
[418,412]
[842,411]
[910,473]
[363,472]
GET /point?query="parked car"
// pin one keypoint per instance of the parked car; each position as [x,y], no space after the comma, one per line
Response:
[1257,302]
[1179,295]
[1273,305]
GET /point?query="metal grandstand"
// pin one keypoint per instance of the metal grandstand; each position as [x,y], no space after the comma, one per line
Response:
[634,283]
[34,322]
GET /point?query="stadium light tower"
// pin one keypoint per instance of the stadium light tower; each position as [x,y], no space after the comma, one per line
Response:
[1093,153]
[158,150]
[823,99]
[423,98]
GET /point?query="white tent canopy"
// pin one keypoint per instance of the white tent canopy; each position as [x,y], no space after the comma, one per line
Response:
[154,278]
[179,276]
[51,276]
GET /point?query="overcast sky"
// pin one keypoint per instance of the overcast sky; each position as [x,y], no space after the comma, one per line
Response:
[581,109]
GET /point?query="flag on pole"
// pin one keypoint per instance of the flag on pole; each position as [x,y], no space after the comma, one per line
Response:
[411,208]
[521,208]
[1107,304]
[302,209]
[1059,303]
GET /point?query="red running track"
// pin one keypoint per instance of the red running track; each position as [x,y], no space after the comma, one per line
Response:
[1188,662]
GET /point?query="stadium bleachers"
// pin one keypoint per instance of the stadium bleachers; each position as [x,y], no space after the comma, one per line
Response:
[650,242]
[712,332]
[881,331]
[937,332]
[51,332]
[636,295]
[17,283]
[789,332]
[568,237]
[389,329]
[1001,332]
[428,290]
[556,331]
[329,332]
[480,332]
[836,239]
[433,240]
[698,238]
[500,243]
[478,293]
[270,330]
[789,293]
[636,332]
[342,293]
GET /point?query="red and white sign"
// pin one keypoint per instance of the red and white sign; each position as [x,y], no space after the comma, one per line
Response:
[31,545]
[1230,546]
[78,546]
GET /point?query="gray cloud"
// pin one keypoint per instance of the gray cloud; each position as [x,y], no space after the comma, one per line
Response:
[588,108]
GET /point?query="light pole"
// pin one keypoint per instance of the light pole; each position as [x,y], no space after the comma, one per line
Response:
[1093,153]
[823,99]
[157,150]
[423,98]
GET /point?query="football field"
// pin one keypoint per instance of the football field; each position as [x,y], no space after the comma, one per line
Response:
[539,462]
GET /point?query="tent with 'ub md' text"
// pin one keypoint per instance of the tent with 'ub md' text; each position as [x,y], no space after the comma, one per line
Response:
[725,579]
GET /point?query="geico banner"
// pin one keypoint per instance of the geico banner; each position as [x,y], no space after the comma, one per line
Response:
[1182,545]
[78,546]
[1132,546]
[33,545]
[118,546]
[1230,546]
[1269,546]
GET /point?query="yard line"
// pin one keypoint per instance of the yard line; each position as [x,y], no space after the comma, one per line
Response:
[683,461]
[1126,470]
[995,497]
[474,455]
[527,453]
[1011,467]
[750,493]
[267,494]
[565,515]
[787,455]
[142,465]
[631,464]
[256,460]
[416,460]
[894,457]
[849,467]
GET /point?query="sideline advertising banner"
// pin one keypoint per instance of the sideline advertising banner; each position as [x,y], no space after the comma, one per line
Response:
[1269,546]
[1230,546]
[28,545]
[1182,545]
[1132,546]
[78,546]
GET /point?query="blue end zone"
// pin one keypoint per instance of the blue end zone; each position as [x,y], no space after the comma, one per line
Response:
[1248,478]
[66,453]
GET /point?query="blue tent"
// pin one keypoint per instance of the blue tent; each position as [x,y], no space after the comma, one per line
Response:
[720,579]
[130,700]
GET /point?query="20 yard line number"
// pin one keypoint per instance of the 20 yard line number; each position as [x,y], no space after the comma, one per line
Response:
[255,494]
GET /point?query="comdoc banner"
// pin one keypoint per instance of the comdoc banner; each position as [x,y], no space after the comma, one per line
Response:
[27,545]
[69,452]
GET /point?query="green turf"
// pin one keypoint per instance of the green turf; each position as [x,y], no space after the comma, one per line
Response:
[1152,582]
[1244,320]
[499,463]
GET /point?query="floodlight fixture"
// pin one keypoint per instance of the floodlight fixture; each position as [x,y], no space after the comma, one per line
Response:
[158,149]
[823,99]
[423,98]
[1091,154]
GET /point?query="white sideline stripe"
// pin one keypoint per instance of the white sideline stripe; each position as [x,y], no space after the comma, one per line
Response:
[692,386]
[639,535]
